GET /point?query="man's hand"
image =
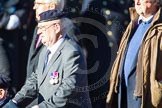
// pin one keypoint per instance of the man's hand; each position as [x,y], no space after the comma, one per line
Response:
[10,104]
[35,106]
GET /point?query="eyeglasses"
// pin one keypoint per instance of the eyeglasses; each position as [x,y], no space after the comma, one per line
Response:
[147,1]
[38,3]
[44,28]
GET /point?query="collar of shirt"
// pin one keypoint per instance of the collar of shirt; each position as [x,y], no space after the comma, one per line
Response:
[54,47]
[145,20]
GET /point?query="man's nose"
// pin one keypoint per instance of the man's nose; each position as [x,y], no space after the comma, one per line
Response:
[138,2]
[35,6]
[39,31]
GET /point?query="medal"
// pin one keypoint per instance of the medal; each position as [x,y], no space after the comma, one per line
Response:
[54,75]
[54,78]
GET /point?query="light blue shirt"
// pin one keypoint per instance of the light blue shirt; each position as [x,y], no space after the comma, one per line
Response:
[134,45]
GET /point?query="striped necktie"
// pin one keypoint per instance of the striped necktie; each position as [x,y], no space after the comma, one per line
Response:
[46,59]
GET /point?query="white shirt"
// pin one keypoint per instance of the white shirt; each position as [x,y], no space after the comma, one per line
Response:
[145,19]
[54,47]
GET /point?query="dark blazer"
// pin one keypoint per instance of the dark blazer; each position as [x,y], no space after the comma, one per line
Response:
[32,63]
[71,89]
[33,55]
[4,63]
[5,77]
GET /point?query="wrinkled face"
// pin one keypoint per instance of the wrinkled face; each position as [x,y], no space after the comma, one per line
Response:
[49,32]
[42,6]
[146,7]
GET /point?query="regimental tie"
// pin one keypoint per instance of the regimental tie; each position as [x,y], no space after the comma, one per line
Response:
[46,59]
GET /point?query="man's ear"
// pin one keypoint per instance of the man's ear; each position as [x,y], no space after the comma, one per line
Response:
[57,28]
[52,6]
[3,93]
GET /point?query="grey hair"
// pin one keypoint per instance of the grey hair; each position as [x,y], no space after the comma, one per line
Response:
[60,3]
[66,25]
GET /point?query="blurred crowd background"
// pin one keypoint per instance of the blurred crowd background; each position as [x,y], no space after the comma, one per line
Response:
[101,24]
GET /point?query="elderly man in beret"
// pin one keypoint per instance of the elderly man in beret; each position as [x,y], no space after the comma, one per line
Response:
[61,78]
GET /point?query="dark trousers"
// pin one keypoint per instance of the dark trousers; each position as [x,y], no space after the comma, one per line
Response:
[125,97]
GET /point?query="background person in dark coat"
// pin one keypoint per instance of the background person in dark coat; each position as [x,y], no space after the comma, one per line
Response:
[5,79]
[14,23]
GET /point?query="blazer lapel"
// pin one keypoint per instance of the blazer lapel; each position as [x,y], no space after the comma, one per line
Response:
[34,52]
[52,61]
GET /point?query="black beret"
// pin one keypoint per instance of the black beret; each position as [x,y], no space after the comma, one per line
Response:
[51,15]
